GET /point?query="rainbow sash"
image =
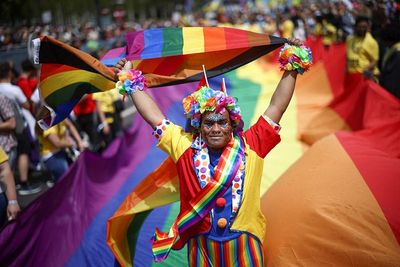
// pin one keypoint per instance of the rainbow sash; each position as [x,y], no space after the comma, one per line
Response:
[203,202]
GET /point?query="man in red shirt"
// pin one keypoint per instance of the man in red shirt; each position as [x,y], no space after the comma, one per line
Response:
[28,80]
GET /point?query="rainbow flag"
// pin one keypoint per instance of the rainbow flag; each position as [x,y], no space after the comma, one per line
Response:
[66,75]
[338,186]
[166,56]
[345,189]
[169,56]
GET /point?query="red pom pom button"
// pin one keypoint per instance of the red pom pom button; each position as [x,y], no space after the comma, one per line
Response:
[222,222]
[221,202]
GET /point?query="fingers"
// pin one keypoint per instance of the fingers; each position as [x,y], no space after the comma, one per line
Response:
[128,65]
[295,41]
[120,65]
[12,212]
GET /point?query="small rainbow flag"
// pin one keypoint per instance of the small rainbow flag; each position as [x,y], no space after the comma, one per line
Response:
[66,75]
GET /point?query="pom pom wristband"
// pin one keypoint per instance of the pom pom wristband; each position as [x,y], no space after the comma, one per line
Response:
[298,58]
[130,82]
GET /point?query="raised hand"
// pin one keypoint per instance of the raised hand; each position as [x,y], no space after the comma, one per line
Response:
[295,41]
[119,66]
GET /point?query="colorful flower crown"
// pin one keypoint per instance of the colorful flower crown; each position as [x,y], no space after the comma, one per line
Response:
[207,99]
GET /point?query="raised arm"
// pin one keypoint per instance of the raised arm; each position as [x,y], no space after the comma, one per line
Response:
[282,96]
[283,92]
[144,103]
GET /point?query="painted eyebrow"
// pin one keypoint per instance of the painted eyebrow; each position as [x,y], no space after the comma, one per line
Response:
[213,121]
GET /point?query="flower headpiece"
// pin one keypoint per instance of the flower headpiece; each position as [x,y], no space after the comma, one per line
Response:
[207,99]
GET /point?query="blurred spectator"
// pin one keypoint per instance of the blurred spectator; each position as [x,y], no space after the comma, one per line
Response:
[326,29]
[8,141]
[287,27]
[87,120]
[28,80]
[346,20]
[110,125]
[362,50]
[23,134]
[270,27]
[57,146]
[9,207]
[390,70]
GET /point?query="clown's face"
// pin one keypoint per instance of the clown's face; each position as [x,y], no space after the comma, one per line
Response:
[216,130]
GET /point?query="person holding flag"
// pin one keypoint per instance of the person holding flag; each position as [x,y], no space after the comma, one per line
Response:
[219,165]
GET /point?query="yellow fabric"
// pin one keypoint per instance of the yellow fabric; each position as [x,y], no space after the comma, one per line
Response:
[175,142]
[194,40]
[46,147]
[3,156]
[360,53]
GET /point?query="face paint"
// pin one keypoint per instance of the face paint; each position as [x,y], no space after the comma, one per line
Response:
[216,130]
[213,118]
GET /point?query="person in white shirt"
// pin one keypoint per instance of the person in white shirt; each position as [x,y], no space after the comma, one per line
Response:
[26,136]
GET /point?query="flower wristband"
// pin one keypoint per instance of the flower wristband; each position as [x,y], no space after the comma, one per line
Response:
[298,58]
[130,82]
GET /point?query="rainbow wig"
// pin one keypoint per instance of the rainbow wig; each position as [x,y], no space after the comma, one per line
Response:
[207,99]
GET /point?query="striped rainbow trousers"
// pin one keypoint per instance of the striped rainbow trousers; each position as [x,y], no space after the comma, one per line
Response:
[244,251]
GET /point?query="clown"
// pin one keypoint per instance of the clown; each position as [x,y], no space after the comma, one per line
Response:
[220,168]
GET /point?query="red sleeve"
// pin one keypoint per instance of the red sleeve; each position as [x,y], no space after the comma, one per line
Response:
[261,137]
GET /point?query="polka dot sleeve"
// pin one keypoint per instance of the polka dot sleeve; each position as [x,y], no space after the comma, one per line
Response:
[160,128]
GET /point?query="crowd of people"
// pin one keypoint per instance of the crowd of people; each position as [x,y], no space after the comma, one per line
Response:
[27,148]
[370,30]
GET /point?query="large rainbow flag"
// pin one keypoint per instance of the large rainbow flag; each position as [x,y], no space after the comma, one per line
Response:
[166,56]
[339,204]
[331,199]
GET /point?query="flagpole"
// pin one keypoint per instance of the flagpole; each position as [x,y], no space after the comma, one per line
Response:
[205,75]
[224,86]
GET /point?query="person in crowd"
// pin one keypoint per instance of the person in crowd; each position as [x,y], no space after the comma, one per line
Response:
[110,122]
[217,156]
[390,69]
[9,207]
[362,50]
[28,80]
[57,147]
[25,136]
[86,118]
[287,27]
[326,30]
[8,141]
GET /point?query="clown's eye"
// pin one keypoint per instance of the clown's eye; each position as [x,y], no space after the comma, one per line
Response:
[224,125]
